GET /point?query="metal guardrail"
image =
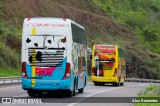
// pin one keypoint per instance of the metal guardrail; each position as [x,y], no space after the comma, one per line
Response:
[141,80]
[17,79]
[10,80]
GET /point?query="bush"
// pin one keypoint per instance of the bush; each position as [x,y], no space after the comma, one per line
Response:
[150,34]
[8,58]
[135,19]
[1,29]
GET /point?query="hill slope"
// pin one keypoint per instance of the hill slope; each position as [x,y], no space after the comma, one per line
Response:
[99,26]
[143,16]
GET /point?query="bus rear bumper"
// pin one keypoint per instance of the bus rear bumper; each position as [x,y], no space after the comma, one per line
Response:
[46,85]
[104,79]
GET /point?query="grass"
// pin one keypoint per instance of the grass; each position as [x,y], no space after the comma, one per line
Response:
[126,13]
[152,91]
[138,15]
[9,72]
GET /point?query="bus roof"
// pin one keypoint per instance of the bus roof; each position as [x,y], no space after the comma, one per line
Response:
[77,24]
[103,45]
[51,18]
[109,45]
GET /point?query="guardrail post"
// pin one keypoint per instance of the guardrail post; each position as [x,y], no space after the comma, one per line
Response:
[11,80]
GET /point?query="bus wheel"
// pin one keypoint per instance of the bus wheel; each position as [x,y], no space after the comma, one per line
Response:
[80,90]
[40,93]
[85,83]
[121,84]
[74,89]
[102,83]
[96,83]
[115,84]
[69,93]
[31,93]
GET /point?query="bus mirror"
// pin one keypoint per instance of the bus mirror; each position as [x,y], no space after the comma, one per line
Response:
[90,56]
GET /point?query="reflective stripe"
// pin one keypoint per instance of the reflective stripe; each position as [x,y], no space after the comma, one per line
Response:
[34,59]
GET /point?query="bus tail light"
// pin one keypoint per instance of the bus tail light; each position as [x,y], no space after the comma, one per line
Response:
[115,72]
[24,74]
[100,72]
[67,72]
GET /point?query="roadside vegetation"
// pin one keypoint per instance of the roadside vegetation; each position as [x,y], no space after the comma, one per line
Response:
[140,16]
[7,72]
[9,62]
[152,91]
[9,55]
[143,17]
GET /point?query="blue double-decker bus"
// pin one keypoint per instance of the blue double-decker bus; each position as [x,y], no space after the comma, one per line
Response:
[54,56]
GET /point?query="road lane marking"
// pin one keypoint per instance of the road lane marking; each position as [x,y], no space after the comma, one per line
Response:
[72,104]
[10,87]
[92,95]
[23,95]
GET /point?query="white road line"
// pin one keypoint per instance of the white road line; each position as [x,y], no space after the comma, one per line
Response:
[23,95]
[10,87]
[92,95]
[72,104]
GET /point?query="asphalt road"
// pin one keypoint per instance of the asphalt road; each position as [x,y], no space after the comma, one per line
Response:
[130,89]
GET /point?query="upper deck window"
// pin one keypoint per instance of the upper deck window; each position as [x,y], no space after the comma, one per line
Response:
[78,34]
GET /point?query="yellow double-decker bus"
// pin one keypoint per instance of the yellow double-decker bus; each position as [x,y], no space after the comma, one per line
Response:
[108,65]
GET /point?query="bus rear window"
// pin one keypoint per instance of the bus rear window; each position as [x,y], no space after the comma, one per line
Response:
[107,65]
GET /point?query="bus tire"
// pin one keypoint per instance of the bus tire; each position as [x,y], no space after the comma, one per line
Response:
[31,93]
[40,93]
[102,83]
[115,84]
[118,84]
[69,93]
[96,83]
[85,83]
[74,89]
[80,90]
[121,84]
